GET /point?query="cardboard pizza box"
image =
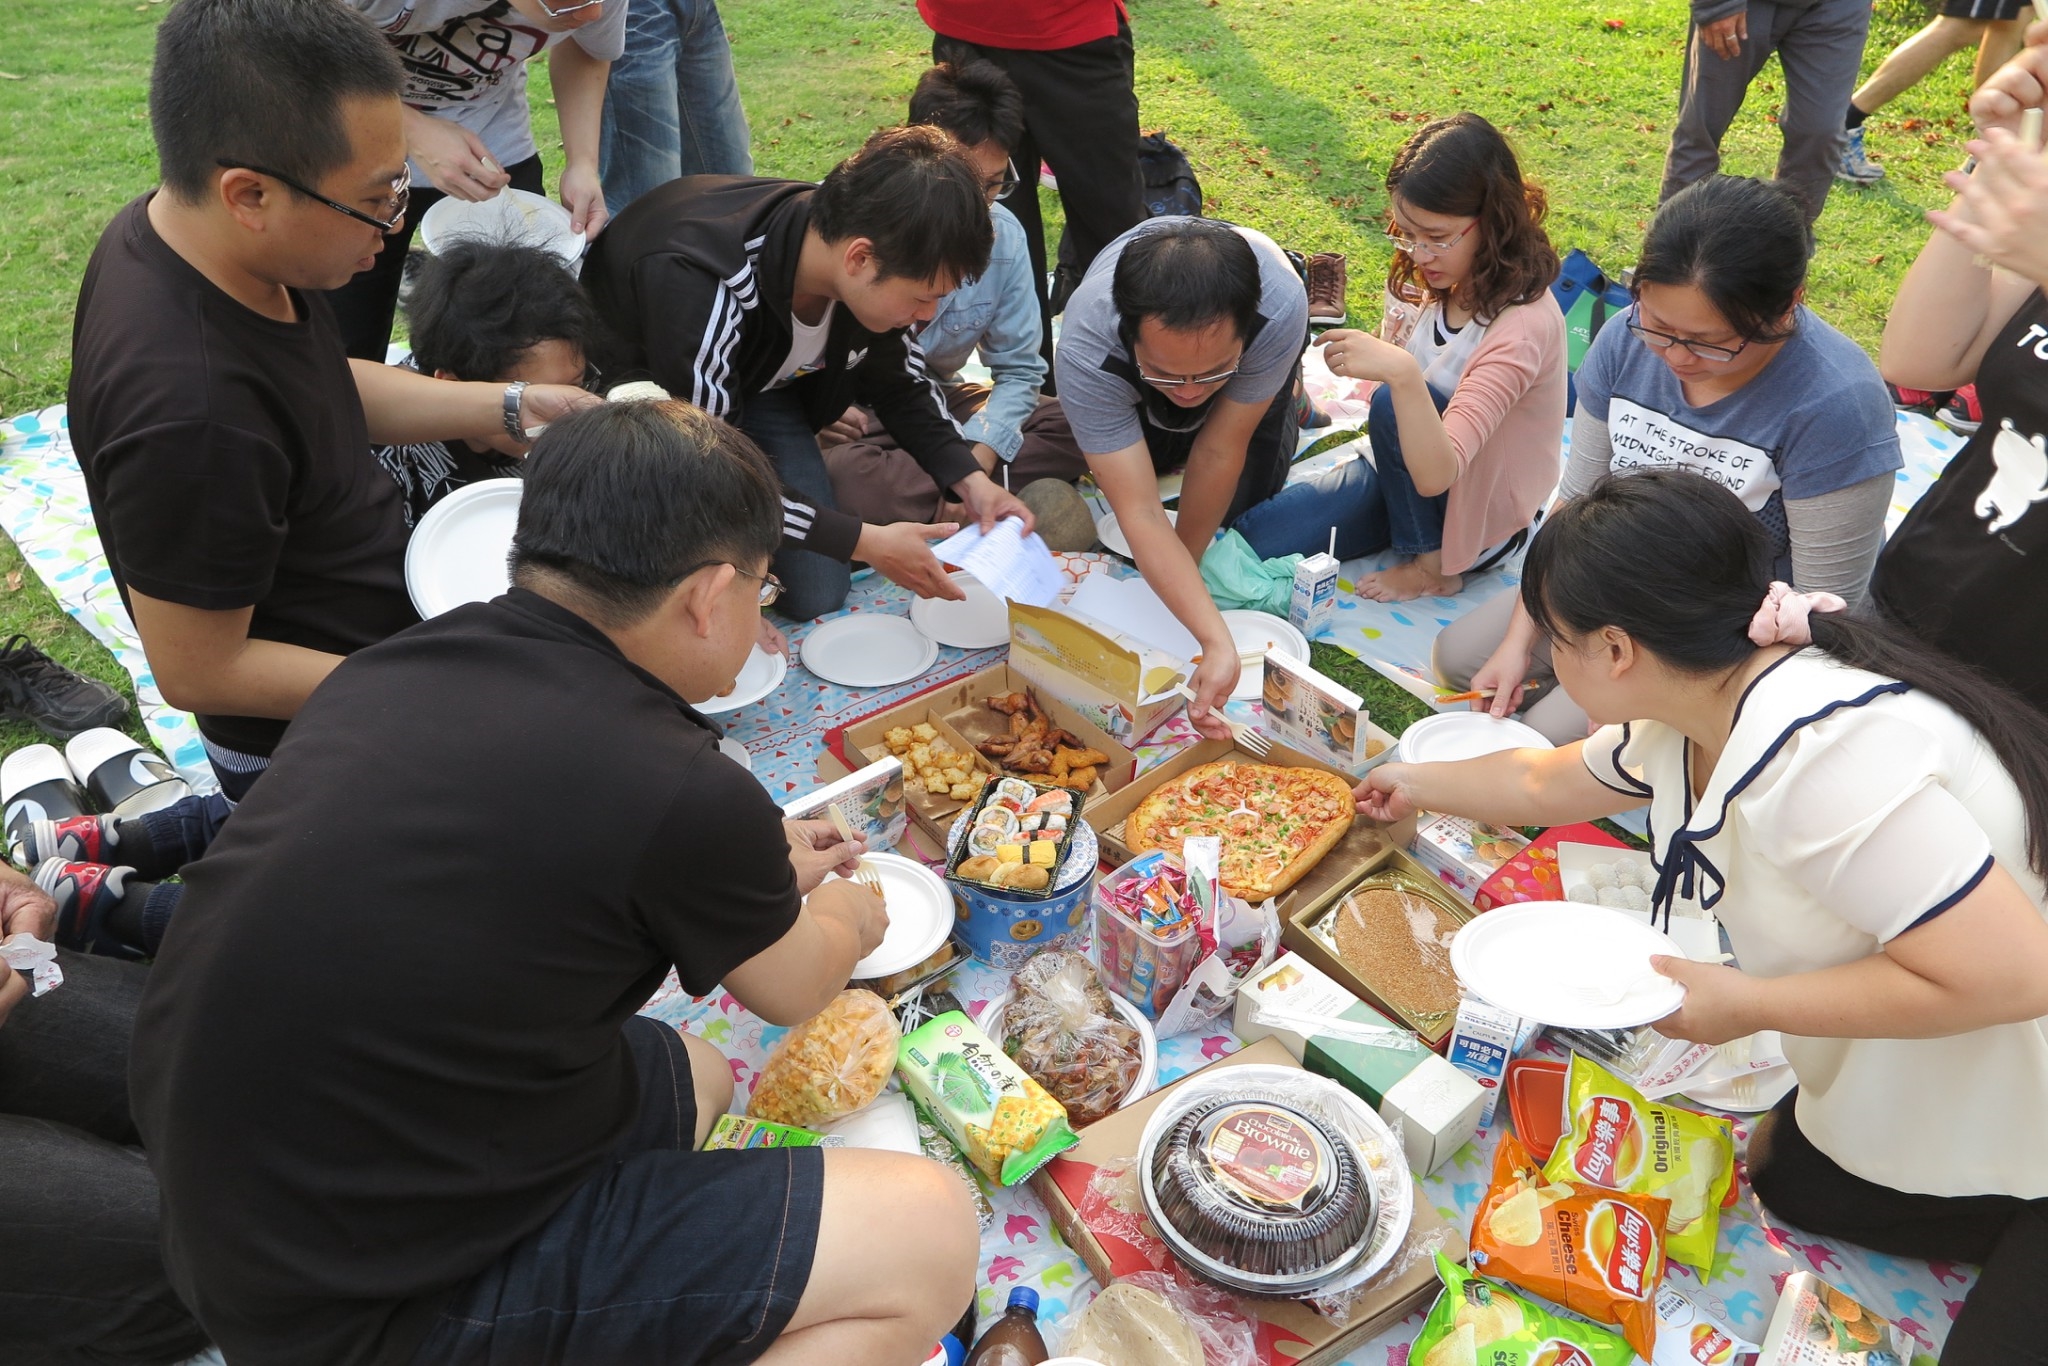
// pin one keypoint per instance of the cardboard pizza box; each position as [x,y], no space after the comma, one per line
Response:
[1362,846]
[1290,1333]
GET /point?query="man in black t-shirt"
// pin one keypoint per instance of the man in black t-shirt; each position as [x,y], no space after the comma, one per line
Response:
[223,432]
[387,1066]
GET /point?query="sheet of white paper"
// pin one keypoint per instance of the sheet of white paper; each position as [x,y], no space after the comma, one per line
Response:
[1009,563]
[1130,606]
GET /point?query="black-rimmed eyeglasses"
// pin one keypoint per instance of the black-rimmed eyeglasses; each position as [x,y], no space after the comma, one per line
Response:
[1664,341]
[401,195]
[771,587]
[1006,186]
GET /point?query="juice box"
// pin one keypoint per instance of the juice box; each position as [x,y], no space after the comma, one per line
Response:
[1482,1042]
[1315,594]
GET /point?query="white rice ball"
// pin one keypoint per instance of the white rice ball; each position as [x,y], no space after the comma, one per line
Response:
[1628,874]
[1614,896]
[1583,893]
[1635,898]
[1600,875]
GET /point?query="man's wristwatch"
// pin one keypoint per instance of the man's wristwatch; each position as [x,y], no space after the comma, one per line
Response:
[514,428]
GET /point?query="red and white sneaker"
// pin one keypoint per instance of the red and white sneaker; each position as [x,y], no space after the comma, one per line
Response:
[1963,413]
[76,839]
[85,894]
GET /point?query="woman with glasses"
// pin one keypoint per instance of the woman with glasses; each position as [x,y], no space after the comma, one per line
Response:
[1470,375]
[1719,369]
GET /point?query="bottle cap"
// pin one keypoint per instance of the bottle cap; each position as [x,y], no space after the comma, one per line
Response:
[1024,1297]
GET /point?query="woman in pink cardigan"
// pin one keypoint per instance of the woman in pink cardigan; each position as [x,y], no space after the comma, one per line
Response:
[1466,420]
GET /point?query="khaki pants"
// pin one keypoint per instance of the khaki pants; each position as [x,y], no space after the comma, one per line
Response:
[877,480]
[1465,645]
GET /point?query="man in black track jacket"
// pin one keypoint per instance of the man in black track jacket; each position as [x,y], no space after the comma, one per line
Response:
[776,304]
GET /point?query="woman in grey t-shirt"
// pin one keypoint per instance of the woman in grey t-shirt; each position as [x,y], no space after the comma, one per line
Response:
[1721,370]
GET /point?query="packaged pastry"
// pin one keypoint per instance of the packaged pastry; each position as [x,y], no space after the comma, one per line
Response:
[1008,1125]
[1476,1323]
[1623,1142]
[1596,1252]
[1062,1030]
[830,1065]
[738,1131]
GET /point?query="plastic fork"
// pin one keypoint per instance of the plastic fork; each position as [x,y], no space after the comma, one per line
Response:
[864,873]
[1252,742]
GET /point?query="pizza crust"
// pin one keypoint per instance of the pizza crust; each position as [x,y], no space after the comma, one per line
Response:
[1152,823]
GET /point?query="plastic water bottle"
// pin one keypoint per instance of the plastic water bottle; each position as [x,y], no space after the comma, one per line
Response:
[1014,1339]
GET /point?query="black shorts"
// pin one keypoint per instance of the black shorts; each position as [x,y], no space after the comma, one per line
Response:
[1985,9]
[666,1255]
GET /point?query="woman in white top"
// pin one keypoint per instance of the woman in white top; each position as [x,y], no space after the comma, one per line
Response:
[1868,820]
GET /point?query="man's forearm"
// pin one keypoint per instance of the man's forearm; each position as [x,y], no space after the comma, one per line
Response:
[404,407]
[579,82]
[264,678]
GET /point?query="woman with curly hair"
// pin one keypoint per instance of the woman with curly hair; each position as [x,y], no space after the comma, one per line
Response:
[1470,369]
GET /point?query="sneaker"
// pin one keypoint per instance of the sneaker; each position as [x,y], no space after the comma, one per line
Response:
[79,839]
[1962,413]
[1927,401]
[86,893]
[1856,167]
[1326,289]
[37,689]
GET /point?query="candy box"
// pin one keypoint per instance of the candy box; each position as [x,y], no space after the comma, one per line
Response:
[1533,874]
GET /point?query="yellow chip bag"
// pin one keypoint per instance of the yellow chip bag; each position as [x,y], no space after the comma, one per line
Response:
[1625,1143]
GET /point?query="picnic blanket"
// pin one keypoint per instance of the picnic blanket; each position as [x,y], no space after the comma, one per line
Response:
[43,508]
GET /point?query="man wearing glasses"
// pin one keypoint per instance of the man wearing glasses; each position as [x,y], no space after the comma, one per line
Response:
[223,433]
[995,314]
[1179,351]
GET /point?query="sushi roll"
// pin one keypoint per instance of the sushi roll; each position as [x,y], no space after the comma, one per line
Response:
[983,840]
[998,818]
[1017,789]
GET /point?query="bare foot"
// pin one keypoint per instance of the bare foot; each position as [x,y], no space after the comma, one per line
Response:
[1419,578]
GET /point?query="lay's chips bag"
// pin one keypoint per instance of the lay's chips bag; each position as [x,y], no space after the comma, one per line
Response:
[1476,1323]
[1596,1252]
[1623,1142]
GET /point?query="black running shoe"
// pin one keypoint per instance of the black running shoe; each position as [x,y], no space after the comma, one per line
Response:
[37,689]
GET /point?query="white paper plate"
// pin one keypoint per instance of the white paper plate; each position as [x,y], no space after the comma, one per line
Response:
[1112,536]
[1261,631]
[1458,735]
[515,217]
[761,675]
[1561,963]
[458,551]
[920,916]
[737,752]
[869,650]
[979,622]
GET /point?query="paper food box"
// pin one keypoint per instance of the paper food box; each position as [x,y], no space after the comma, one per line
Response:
[1362,843]
[959,712]
[1532,874]
[1289,1332]
[871,799]
[1435,1105]
[1121,684]
[1464,854]
[1321,717]
[1818,1325]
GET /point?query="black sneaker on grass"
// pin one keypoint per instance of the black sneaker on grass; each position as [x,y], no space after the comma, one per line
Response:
[37,689]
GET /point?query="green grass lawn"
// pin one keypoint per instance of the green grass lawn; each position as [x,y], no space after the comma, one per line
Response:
[1289,109]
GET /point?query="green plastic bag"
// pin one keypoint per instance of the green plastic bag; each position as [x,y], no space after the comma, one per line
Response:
[1237,577]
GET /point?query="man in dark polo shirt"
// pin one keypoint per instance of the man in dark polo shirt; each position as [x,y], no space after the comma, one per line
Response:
[387,1066]
[223,432]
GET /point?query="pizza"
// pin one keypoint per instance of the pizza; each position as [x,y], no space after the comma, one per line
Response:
[1276,822]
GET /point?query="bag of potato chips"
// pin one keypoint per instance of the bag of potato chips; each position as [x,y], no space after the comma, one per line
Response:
[1596,1252]
[1625,1143]
[1006,1123]
[1474,1323]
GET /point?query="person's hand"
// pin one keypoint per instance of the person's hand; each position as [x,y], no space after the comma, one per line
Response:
[2001,212]
[860,908]
[1361,355]
[1387,794]
[2021,84]
[770,638]
[902,552]
[14,989]
[990,502]
[815,850]
[455,159]
[24,907]
[1725,37]
[1505,671]
[1720,1002]
[1215,679]
[850,425]
[583,197]
[539,404]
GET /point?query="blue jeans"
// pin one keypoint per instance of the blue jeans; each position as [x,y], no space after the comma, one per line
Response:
[812,584]
[1372,503]
[671,106]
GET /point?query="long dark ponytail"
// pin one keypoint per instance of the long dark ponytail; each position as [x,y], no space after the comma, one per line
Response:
[1676,561]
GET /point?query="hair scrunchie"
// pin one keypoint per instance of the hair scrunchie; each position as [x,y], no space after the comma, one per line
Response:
[1782,619]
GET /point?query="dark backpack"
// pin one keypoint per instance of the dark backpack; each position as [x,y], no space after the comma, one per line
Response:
[1170,184]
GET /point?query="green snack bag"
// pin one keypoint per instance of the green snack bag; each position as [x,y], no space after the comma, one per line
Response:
[1625,1143]
[1476,1323]
[1008,1125]
[739,1131]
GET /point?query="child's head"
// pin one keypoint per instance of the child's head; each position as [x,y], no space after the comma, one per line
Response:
[486,311]
[1463,220]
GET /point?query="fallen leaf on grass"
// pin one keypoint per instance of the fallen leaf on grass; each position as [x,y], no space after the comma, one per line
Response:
[1615,25]
[9,76]
[14,580]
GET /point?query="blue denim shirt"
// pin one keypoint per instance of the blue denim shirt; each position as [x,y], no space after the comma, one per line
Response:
[997,314]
